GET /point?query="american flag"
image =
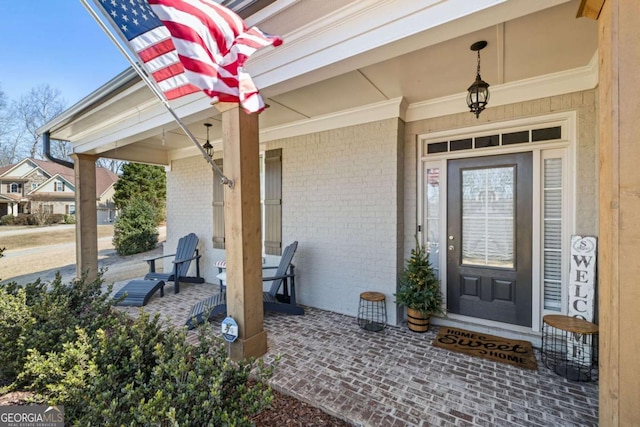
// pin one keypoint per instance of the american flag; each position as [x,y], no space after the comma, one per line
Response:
[191,45]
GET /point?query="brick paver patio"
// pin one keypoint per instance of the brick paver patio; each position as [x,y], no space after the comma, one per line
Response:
[397,377]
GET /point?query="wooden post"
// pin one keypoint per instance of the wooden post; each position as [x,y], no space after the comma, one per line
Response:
[243,237]
[86,216]
[619,213]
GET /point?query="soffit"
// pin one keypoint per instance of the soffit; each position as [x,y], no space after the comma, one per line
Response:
[417,68]
[542,43]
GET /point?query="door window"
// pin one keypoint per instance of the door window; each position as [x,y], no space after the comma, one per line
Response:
[488,217]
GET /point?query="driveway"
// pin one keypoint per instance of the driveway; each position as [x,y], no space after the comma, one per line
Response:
[26,265]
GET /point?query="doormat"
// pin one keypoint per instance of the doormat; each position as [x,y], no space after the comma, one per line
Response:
[514,352]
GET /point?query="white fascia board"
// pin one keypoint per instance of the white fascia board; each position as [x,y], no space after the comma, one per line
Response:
[265,13]
[367,25]
[578,79]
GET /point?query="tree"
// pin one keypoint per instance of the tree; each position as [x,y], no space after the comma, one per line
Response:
[135,229]
[7,144]
[144,182]
[112,164]
[20,119]
[41,209]
[33,110]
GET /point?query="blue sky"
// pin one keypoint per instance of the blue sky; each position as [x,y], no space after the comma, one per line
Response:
[54,42]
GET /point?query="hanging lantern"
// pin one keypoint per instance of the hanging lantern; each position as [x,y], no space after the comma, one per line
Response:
[478,92]
[208,148]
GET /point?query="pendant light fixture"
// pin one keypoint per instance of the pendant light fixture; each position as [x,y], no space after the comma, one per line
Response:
[478,95]
[207,145]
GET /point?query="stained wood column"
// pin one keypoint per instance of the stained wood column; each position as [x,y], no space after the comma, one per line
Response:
[619,212]
[243,237]
[86,216]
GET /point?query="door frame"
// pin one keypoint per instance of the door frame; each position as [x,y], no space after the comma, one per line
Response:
[567,143]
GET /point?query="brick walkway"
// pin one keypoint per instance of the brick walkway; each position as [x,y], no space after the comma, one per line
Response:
[397,378]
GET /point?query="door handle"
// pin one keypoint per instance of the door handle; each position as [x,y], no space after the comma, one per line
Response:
[451,247]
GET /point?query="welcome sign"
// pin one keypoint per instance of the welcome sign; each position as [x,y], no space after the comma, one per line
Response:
[582,289]
[582,277]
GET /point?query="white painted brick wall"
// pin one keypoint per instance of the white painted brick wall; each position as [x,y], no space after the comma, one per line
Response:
[189,210]
[340,202]
[343,201]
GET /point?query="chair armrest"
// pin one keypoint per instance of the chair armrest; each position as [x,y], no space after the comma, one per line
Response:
[158,257]
[180,261]
[271,267]
[284,276]
[152,262]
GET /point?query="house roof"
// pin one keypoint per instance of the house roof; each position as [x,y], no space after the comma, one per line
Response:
[104,177]
[104,180]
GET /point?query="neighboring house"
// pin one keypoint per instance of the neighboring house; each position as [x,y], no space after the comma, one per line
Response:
[33,184]
[368,142]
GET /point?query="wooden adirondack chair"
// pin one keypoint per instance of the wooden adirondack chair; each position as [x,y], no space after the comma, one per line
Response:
[138,292]
[186,252]
[273,300]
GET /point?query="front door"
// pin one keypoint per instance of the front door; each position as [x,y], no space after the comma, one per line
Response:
[489,237]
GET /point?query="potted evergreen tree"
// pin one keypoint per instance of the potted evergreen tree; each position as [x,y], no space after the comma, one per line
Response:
[419,290]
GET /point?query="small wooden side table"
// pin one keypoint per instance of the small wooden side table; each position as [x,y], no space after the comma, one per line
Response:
[570,347]
[372,312]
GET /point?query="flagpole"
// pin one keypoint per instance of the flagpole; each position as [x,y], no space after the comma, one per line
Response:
[152,85]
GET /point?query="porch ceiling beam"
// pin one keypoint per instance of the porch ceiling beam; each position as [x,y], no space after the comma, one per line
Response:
[134,153]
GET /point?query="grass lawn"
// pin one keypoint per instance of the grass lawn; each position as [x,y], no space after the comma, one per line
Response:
[45,236]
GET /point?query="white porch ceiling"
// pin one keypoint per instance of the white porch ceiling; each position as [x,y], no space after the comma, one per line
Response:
[537,44]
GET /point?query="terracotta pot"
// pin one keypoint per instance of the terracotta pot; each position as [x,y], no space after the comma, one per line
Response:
[417,321]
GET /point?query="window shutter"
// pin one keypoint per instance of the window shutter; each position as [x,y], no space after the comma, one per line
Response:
[273,202]
[218,209]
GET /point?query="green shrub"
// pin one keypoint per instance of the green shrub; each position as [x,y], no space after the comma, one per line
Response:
[54,312]
[74,350]
[16,322]
[58,376]
[136,229]
[56,219]
[137,373]
[7,220]
[69,219]
[24,219]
